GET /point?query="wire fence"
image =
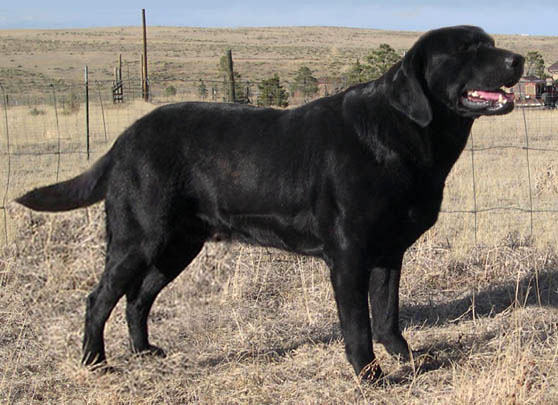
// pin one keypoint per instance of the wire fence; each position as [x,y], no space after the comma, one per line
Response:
[505,183]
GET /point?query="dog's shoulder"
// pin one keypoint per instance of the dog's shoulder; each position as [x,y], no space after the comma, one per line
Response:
[383,129]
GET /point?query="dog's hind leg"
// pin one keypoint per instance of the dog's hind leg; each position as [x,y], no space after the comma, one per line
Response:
[141,295]
[122,266]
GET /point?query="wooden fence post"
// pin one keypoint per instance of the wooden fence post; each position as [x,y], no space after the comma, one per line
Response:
[232,95]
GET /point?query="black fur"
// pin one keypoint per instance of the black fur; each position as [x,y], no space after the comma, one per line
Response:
[353,179]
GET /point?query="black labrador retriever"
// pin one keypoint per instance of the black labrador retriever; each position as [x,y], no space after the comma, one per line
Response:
[354,179]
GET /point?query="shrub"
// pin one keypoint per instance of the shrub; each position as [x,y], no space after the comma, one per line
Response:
[35,112]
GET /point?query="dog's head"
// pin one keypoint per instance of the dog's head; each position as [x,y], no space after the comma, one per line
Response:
[459,69]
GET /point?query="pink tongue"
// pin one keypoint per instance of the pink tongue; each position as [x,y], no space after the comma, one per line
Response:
[495,96]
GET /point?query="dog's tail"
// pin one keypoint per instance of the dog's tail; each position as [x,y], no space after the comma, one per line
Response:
[81,191]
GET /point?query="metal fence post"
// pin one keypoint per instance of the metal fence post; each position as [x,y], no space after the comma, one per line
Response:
[102,110]
[9,162]
[474,185]
[528,171]
[87,109]
[58,131]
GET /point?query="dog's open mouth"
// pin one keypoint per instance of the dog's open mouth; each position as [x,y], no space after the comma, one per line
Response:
[489,101]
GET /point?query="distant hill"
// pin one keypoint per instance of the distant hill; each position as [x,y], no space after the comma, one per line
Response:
[42,56]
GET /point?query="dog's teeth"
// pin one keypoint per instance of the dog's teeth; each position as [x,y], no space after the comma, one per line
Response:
[475,94]
[501,99]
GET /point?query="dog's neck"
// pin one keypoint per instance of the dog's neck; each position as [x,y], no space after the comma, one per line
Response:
[447,144]
[377,125]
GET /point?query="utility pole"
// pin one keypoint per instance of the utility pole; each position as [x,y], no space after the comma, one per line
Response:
[145,77]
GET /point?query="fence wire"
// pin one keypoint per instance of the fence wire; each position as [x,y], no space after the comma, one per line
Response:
[43,141]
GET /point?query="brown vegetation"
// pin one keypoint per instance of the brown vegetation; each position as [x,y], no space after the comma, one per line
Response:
[39,57]
[252,325]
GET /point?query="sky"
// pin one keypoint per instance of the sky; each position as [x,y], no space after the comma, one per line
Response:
[539,17]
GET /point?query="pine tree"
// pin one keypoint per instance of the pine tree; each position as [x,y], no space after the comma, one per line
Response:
[272,93]
[305,83]
[355,74]
[378,62]
[534,65]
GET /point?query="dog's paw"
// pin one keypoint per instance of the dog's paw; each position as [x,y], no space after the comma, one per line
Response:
[398,347]
[101,368]
[372,373]
[150,350]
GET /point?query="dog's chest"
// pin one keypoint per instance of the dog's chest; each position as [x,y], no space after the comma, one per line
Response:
[422,209]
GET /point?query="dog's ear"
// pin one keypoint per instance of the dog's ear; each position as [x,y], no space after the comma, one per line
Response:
[407,94]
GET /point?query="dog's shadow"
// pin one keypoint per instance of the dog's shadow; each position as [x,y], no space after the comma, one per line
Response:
[532,290]
[539,289]
[535,289]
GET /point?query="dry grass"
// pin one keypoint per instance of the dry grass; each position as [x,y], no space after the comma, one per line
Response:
[41,57]
[507,177]
[253,325]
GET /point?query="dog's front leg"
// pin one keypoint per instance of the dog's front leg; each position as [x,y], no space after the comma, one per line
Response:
[384,302]
[350,284]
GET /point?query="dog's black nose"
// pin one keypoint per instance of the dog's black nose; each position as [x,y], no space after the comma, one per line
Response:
[515,61]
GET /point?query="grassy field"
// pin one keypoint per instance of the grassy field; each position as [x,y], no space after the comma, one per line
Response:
[32,58]
[253,325]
